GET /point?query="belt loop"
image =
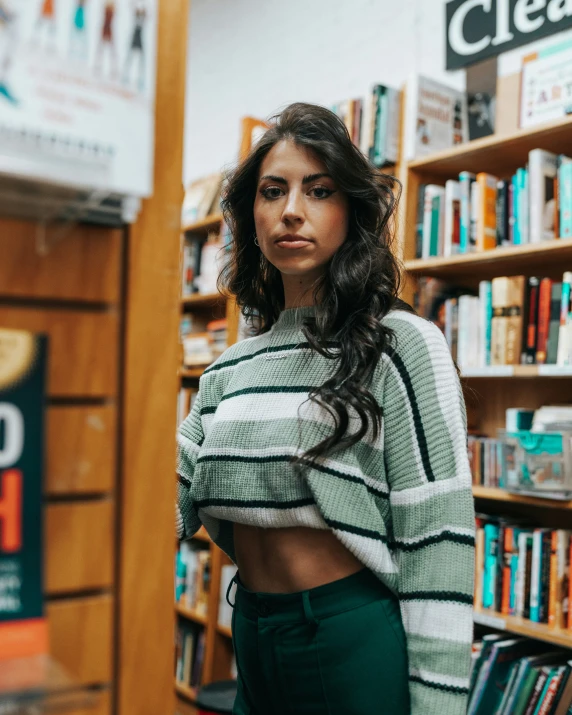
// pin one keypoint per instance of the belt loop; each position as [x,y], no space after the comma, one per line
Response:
[232,581]
[308,614]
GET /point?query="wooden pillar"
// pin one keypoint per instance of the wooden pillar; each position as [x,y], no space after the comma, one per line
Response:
[145,625]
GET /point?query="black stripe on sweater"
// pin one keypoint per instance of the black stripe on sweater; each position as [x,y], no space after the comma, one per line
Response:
[254,503]
[417,421]
[445,596]
[440,686]
[269,389]
[462,539]
[286,458]
[351,529]
[251,356]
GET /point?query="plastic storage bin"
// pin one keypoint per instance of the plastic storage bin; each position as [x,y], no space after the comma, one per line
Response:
[537,463]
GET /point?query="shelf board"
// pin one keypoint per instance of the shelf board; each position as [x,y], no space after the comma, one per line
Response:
[202,535]
[498,154]
[517,371]
[524,627]
[191,614]
[203,300]
[205,225]
[496,494]
[186,691]
[192,371]
[224,631]
[510,260]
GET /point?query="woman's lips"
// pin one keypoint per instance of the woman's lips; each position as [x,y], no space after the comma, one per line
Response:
[291,242]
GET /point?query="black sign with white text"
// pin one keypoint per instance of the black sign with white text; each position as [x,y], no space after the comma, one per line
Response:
[477,29]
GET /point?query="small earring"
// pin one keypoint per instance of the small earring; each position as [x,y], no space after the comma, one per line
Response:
[256,241]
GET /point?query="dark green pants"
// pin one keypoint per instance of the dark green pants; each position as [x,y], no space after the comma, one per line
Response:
[338,649]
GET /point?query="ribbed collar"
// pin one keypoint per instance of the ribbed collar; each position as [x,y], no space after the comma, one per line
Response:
[293,317]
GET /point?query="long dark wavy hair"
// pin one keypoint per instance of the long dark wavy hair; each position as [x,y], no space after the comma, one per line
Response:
[359,286]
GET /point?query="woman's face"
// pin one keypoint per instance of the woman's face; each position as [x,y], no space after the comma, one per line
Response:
[301,216]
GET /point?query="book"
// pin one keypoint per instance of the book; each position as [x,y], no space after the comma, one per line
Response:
[545,78]
[481,669]
[383,145]
[474,224]
[529,671]
[466,179]
[419,223]
[564,697]
[451,240]
[432,220]
[530,317]
[486,218]
[554,327]
[536,575]
[544,308]
[503,213]
[542,168]
[200,199]
[523,204]
[435,117]
[565,195]
[507,298]
[564,356]
[490,566]
[485,322]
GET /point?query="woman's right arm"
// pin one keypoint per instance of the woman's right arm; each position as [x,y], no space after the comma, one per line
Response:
[190,437]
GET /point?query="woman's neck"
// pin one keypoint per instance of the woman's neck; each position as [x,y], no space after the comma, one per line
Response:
[298,291]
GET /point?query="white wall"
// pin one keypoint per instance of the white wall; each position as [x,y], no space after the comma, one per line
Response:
[252,57]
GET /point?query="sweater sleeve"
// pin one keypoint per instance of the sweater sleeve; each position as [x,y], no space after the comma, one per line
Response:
[432,511]
[189,440]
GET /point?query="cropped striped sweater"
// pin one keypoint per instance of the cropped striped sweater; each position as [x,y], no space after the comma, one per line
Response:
[402,504]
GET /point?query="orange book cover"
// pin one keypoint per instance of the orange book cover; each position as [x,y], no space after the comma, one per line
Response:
[553,582]
[508,547]
[487,213]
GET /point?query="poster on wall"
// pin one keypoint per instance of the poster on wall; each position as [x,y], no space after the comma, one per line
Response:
[77,92]
[23,628]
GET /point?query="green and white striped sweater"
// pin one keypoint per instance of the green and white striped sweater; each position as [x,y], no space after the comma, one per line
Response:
[402,504]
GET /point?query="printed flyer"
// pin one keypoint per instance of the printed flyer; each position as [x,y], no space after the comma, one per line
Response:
[23,629]
[77,92]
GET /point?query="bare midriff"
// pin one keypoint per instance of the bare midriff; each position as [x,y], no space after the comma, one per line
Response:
[291,559]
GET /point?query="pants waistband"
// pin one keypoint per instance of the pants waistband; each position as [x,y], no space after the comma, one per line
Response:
[314,604]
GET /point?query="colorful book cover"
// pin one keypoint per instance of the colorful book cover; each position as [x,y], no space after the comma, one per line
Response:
[565,193]
[564,356]
[523,205]
[545,78]
[486,316]
[491,551]
[544,308]
[23,628]
[487,212]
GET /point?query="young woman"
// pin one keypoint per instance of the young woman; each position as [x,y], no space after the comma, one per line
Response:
[327,455]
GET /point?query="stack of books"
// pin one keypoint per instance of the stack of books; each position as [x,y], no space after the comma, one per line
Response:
[480,212]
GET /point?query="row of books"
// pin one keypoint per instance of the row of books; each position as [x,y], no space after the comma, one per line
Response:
[518,676]
[202,198]
[203,260]
[481,212]
[485,459]
[190,642]
[202,348]
[513,320]
[192,576]
[523,571]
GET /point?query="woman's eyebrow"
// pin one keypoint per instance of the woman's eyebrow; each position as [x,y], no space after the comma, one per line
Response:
[306,180]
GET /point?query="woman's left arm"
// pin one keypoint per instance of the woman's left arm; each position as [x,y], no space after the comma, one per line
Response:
[427,468]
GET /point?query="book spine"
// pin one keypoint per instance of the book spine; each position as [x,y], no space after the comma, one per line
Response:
[375,122]
[491,549]
[435,225]
[520,575]
[497,603]
[485,310]
[524,206]
[514,311]
[545,577]
[530,316]
[506,569]
[565,332]
[465,180]
[475,207]
[502,236]
[541,172]
[486,213]
[556,207]
[479,566]
[419,224]
[452,199]
[565,191]
[527,577]
[544,301]
[550,696]
[393,120]
[553,586]
[510,209]
[515,210]
[536,570]
[554,329]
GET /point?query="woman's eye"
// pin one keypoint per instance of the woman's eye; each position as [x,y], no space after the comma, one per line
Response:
[320,192]
[272,192]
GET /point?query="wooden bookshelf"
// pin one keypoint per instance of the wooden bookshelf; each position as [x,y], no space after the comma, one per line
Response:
[191,614]
[490,391]
[225,631]
[218,645]
[501,495]
[210,223]
[523,627]
[203,300]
